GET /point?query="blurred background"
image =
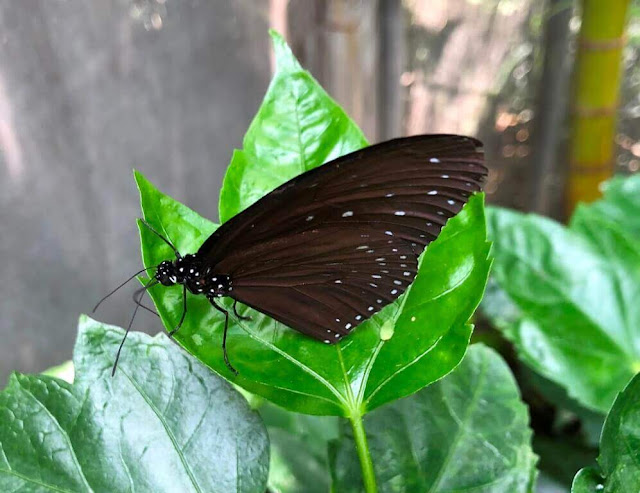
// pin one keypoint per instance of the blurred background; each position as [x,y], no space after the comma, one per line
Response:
[90,90]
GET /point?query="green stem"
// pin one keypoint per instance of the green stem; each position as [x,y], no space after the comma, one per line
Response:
[368,475]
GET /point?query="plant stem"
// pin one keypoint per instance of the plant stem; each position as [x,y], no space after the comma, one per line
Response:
[368,475]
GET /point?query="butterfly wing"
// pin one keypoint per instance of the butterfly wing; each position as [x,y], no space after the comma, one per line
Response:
[328,249]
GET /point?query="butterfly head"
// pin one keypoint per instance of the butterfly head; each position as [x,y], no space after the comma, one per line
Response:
[166,273]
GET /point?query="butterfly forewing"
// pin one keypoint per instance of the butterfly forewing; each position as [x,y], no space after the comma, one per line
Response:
[330,248]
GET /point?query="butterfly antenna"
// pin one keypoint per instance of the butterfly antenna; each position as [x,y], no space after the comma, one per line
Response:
[139,292]
[166,240]
[121,285]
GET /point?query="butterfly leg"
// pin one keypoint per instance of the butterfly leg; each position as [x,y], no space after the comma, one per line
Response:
[184,311]
[224,335]
[235,312]
[141,305]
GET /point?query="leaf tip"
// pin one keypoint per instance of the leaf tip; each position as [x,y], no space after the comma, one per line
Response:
[285,59]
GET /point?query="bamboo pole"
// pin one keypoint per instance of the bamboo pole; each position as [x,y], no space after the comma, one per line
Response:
[595,98]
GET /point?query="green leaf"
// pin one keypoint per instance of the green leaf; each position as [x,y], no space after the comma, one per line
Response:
[297,128]
[577,291]
[424,334]
[299,462]
[468,432]
[619,458]
[619,205]
[408,345]
[163,423]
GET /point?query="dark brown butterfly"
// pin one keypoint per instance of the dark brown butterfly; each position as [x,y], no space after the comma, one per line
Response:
[331,247]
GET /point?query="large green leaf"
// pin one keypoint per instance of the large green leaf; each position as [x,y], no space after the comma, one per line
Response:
[411,343]
[467,432]
[163,423]
[619,458]
[297,128]
[408,345]
[577,290]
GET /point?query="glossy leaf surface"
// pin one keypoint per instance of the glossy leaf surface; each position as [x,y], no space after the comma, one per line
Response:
[163,424]
[577,290]
[619,458]
[467,432]
[297,128]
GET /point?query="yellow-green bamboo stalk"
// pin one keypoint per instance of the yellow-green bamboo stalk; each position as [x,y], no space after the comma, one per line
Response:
[596,90]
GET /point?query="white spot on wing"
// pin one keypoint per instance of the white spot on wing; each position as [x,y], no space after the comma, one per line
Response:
[388,233]
[432,192]
[347,214]
[399,213]
[434,160]
[309,218]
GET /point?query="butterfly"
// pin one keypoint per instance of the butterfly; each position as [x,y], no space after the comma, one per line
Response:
[328,249]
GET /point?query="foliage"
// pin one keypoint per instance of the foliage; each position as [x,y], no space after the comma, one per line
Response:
[153,427]
[577,319]
[466,432]
[619,448]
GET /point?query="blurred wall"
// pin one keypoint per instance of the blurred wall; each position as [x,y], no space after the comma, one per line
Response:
[88,91]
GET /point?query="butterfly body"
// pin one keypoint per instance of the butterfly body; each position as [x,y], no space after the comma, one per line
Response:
[187,270]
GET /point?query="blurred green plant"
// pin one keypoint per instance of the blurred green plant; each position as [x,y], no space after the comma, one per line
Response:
[575,292]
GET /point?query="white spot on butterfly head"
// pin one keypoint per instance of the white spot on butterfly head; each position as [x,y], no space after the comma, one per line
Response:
[434,160]
[432,192]
[399,213]
[347,214]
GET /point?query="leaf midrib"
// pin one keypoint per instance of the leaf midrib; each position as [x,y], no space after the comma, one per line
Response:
[168,431]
